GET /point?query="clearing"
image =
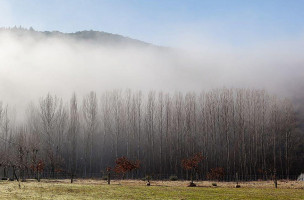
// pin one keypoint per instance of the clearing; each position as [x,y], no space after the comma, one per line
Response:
[135,189]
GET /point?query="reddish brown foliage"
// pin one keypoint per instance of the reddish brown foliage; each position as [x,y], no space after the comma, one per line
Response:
[39,167]
[216,174]
[192,162]
[123,165]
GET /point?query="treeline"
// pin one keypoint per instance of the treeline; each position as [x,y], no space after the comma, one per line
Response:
[243,131]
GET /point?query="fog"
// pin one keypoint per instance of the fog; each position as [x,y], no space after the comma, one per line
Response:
[30,67]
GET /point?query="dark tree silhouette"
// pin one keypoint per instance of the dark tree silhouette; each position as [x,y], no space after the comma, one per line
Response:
[109,175]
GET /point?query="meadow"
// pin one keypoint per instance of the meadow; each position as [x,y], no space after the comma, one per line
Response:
[135,189]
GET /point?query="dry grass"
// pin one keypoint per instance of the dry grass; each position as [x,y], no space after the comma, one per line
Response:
[130,189]
[252,184]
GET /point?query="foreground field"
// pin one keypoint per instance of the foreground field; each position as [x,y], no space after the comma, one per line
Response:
[97,189]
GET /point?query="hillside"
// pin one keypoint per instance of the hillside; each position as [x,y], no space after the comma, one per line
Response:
[97,37]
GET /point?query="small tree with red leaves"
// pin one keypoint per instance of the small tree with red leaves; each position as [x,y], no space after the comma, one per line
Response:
[123,165]
[38,168]
[192,164]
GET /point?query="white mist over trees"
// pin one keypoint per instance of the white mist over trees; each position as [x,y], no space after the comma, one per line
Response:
[33,63]
[242,130]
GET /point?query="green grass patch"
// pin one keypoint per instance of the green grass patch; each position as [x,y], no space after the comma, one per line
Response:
[100,190]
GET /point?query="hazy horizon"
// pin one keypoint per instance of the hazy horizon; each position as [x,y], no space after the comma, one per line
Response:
[34,65]
[207,45]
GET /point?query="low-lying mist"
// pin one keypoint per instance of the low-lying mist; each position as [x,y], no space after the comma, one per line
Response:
[32,66]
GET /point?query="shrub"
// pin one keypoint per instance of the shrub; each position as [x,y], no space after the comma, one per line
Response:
[105,178]
[214,184]
[192,184]
[173,178]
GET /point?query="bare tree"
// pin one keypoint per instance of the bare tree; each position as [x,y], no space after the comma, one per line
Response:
[73,133]
[90,112]
[50,109]
[245,131]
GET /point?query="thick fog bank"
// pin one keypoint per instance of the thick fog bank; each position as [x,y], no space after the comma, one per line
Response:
[33,64]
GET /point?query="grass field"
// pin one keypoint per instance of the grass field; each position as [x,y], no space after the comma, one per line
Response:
[98,189]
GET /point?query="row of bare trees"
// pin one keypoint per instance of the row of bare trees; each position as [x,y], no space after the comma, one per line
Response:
[243,131]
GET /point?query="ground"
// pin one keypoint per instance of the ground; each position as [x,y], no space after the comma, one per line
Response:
[127,189]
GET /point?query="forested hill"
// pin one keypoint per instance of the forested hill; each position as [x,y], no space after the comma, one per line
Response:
[97,37]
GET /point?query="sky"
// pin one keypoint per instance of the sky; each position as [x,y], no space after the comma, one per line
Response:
[164,22]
